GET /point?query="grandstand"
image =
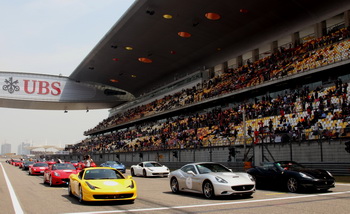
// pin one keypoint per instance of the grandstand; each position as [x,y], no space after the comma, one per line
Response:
[287,98]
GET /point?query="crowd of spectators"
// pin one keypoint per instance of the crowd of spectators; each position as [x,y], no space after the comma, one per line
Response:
[198,129]
[291,113]
[284,61]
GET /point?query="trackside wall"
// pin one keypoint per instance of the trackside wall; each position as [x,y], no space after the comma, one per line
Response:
[325,154]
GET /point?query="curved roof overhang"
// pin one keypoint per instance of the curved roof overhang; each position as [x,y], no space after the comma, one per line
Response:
[155,41]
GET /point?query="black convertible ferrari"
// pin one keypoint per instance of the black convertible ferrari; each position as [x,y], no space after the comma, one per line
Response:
[292,176]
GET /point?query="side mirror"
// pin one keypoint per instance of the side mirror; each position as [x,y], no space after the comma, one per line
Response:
[191,172]
[129,177]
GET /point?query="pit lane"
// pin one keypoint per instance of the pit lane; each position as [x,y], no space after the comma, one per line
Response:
[155,196]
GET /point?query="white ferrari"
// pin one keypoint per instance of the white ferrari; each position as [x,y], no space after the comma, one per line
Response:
[148,169]
[211,179]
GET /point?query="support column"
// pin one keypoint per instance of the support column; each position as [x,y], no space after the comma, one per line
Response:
[239,61]
[225,66]
[274,46]
[320,29]
[255,54]
[296,39]
[211,72]
[347,18]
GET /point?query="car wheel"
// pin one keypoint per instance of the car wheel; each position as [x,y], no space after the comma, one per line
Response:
[292,185]
[208,189]
[247,195]
[50,181]
[81,196]
[174,185]
[70,190]
[144,173]
[132,172]
[130,201]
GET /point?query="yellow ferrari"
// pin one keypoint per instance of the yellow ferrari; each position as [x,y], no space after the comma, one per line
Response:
[101,184]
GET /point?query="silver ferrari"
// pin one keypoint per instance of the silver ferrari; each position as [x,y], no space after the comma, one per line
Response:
[211,179]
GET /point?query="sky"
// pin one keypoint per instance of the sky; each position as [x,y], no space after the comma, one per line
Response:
[51,37]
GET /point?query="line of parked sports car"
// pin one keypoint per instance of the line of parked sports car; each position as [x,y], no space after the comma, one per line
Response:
[107,182]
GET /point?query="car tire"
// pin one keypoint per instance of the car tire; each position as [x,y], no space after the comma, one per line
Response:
[144,173]
[130,201]
[50,181]
[81,196]
[247,195]
[70,190]
[174,185]
[132,172]
[208,190]
[292,185]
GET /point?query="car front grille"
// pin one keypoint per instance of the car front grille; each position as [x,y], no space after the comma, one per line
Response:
[242,187]
[160,173]
[115,196]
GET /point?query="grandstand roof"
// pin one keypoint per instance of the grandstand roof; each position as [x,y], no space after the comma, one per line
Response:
[242,26]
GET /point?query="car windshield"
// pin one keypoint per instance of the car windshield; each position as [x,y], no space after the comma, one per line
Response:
[153,164]
[63,166]
[92,174]
[112,162]
[209,167]
[289,165]
[29,162]
[40,165]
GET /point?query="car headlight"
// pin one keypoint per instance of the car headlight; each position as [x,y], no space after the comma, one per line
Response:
[91,186]
[56,174]
[305,175]
[149,169]
[251,178]
[132,185]
[220,180]
[330,174]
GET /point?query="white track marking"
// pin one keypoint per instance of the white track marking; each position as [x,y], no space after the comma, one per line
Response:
[16,206]
[208,205]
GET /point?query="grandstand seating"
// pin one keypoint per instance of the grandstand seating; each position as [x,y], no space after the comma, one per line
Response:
[206,129]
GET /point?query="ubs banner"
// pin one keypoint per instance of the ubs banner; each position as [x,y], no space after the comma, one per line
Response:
[23,90]
[31,86]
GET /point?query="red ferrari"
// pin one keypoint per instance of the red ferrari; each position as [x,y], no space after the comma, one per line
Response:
[58,173]
[38,168]
[81,165]
[74,162]
[50,162]
[16,162]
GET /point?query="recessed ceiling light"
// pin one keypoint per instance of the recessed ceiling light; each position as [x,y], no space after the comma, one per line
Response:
[184,34]
[145,60]
[212,16]
[167,16]
[128,48]
[113,80]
